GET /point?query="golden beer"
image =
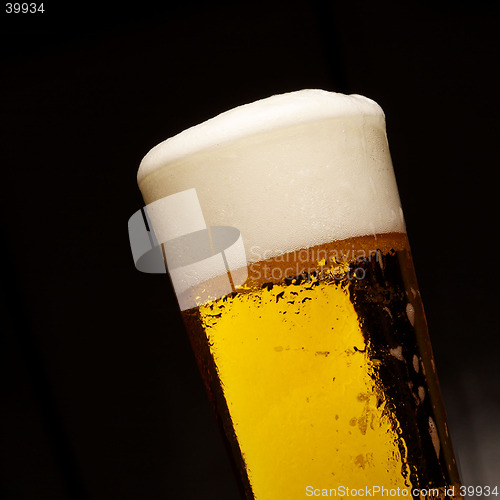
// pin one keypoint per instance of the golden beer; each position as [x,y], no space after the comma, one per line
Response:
[318,363]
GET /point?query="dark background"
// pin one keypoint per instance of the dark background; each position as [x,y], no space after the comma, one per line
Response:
[100,395]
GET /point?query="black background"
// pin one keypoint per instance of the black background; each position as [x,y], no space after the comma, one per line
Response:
[100,395]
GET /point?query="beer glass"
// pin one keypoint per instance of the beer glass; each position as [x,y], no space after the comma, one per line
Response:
[282,231]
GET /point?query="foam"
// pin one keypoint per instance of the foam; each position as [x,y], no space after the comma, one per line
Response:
[292,171]
[260,116]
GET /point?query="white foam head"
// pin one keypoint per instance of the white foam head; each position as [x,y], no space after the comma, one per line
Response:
[277,111]
[290,171]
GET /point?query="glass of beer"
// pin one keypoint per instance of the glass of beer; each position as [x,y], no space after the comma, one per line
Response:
[284,239]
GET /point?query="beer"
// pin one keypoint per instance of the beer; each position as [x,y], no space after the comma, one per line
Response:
[318,362]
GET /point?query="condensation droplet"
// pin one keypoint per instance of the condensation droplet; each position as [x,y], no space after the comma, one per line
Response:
[410,312]
[421,393]
[416,364]
[380,260]
[397,352]
[388,311]
[434,436]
